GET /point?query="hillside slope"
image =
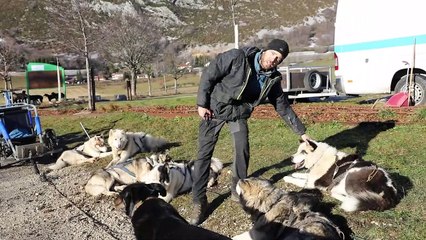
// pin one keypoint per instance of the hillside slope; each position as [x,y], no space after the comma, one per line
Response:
[193,22]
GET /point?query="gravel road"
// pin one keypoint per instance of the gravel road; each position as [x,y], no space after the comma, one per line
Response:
[57,208]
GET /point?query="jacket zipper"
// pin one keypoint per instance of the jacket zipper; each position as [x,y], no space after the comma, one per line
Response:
[245,84]
[268,84]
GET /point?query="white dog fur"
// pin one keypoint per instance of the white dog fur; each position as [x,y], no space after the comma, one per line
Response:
[88,152]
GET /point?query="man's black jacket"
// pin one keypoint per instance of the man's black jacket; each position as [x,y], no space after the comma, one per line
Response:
[224,81]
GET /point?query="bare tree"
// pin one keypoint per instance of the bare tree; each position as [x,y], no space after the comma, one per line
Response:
[74,24]
[176,74]
[10,56]
[131,41]
[149,70]
[172,62]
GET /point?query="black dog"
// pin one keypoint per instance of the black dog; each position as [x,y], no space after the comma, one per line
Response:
[53,95]
[36,99]
[157,219]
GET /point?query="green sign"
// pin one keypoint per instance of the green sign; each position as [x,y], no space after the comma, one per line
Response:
[44,75]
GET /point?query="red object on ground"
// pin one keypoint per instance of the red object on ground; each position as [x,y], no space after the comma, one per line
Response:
[398,100]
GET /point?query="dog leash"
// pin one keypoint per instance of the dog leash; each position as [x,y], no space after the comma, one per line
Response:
[373,173]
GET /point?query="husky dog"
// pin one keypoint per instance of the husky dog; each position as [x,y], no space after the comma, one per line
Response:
[360,185]
[125,145]
[130,171]
[282,215]
[157,219]
[177,177]
[91,150]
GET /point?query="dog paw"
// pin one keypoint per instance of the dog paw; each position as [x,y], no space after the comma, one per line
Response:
[287,178]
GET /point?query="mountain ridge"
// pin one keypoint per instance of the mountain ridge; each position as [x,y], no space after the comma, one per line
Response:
[193,22]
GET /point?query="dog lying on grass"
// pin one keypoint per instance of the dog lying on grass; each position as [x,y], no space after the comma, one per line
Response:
[177,177]
[118,176]
[91,150]
[360,185]
[157,219]
[125,145]
[280,215]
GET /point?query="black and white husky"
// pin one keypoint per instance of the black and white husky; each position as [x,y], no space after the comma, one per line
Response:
[360,185]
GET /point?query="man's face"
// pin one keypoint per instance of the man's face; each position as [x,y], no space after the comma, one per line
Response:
[270,59]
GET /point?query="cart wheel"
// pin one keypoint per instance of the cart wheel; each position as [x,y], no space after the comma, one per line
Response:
[50,139]
[312,81]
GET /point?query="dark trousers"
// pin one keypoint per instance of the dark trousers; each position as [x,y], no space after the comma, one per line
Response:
[207,138]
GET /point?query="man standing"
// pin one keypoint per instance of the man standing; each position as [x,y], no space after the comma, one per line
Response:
[233,84]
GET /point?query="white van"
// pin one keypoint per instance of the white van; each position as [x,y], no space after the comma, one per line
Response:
[376,43]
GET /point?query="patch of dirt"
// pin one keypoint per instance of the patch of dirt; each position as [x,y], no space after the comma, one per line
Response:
[309,113]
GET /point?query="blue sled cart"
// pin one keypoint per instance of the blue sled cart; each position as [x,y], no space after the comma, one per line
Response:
[22,137]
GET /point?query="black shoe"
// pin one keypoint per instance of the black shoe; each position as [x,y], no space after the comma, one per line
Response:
[198,213]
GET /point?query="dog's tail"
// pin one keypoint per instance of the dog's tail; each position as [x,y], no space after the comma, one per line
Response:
[372,201]
[379,195]
[216,165]
[60,163]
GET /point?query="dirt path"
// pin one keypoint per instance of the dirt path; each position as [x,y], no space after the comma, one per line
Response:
[309,113]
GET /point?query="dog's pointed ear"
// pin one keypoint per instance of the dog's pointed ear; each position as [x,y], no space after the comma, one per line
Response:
[129,204]
[164,173]
[111,131]
[312,144]
[158,189]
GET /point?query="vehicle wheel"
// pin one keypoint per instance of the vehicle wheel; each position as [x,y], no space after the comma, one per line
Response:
[312,81]
[419,88]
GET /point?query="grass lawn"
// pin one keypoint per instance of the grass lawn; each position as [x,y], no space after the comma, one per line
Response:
[400,149]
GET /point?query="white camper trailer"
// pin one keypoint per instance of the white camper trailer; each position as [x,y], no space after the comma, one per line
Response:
[378,44]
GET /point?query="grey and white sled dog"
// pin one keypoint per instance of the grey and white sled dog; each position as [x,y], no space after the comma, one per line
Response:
[88,152]
[177,177]
[125,145]
[282,215]
[110,180]
[360,185]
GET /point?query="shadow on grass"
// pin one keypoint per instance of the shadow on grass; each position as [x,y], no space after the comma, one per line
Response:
[275,178]
[80,137]
[359,137]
